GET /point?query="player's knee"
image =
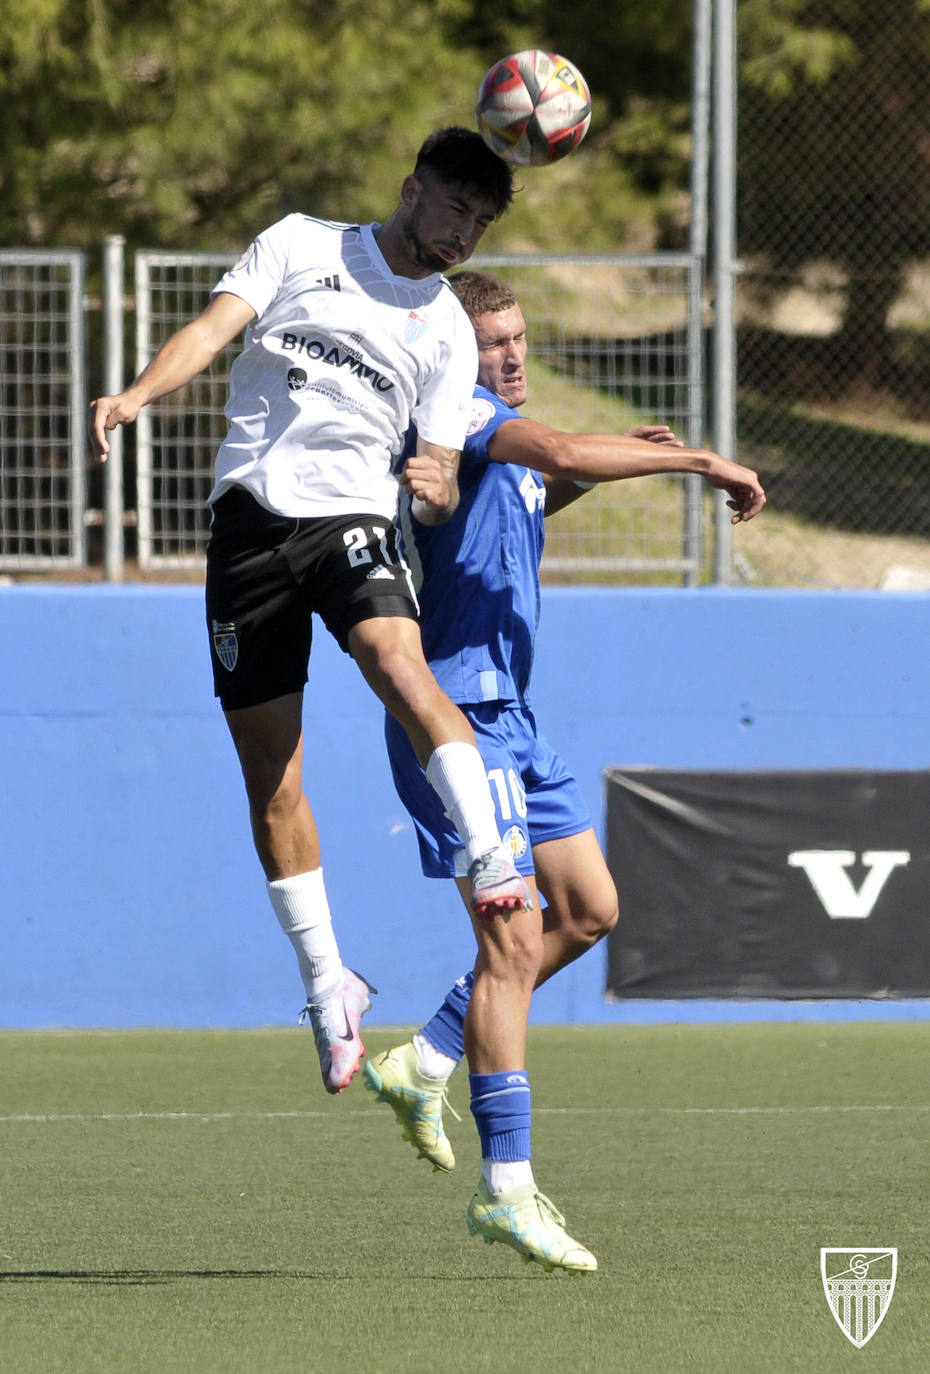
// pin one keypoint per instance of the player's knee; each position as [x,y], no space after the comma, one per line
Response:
[390,654]
[513,950]
[274,789]
[598,916]
[400,678]
[605,914]
[527,952]
[609,918]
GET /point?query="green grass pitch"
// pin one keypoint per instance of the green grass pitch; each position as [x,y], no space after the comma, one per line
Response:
[194,1203]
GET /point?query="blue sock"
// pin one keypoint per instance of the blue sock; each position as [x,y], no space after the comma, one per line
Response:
[500,1104]
[446,1028]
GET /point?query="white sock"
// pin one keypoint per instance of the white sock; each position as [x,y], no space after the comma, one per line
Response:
[456,773]
[303,912]
[433,1063]
[501,1175]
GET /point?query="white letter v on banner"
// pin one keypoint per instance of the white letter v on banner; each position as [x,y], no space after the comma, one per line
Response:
[826,869]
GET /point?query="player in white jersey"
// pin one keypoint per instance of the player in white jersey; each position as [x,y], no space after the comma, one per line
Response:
[352,334]
[340,356]
[479,612]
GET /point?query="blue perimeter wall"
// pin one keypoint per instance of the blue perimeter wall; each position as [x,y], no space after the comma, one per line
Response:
[131,895]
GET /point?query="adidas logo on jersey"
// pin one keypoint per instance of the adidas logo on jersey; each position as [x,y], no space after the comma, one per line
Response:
[380,572]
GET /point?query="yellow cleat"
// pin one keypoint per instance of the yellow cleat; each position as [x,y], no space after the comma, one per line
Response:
[416,1101]
[526,1220]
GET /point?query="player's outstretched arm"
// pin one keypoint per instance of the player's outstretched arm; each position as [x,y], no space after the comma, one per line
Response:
[179,359]
[566,459]
[743,486]
[431,476]
[563,491]
[656,434]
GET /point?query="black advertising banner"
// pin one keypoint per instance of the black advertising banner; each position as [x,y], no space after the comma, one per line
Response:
[769,884]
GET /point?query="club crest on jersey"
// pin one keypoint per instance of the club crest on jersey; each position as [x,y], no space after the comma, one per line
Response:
[226,643]
[415,327]
[481,412]
[515,841]
[296,379]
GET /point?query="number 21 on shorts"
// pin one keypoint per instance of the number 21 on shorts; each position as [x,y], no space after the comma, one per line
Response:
[358,540]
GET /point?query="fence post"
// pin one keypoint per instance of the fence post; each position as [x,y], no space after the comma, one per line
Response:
[697,244]
[724,339]
[113,293]
[700,128]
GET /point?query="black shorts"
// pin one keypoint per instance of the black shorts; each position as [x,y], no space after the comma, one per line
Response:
[267,573]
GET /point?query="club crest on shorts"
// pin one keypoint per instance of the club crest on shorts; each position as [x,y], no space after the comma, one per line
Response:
[225,643]
[859,1284]
[515,840]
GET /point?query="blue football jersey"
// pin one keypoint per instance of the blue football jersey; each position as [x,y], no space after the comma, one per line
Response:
[477,576]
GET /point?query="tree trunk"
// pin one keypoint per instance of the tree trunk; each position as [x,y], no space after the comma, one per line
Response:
[864,343]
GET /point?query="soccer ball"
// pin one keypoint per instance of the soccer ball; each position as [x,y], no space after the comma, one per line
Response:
[533,107]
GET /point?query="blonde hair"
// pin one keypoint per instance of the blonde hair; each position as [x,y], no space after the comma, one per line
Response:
[481,294]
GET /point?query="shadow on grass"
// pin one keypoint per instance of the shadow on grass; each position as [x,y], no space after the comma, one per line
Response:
[834,473]
[141,1277]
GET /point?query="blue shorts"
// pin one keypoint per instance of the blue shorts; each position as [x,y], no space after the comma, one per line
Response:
[535,796]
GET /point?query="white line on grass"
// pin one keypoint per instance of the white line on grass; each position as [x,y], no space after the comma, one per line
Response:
[24,1118]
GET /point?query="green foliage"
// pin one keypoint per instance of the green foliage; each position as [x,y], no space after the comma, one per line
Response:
[834,139]
[626,51]
[193,124]
[187,124]
[782,54]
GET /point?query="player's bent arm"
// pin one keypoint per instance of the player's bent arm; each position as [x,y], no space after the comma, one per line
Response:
[180,358]
[431,476]
[589,457]
[564,457]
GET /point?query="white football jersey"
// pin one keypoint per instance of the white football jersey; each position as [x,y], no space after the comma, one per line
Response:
[343,357]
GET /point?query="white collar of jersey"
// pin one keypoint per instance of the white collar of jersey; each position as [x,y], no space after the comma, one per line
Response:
[380,262]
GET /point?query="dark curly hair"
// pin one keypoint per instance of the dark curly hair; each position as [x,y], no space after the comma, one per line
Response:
[460,157]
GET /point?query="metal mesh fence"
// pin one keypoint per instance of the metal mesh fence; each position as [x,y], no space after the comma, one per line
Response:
[42,444]
[834,298]
[833,344]
[615,341]
[177,437]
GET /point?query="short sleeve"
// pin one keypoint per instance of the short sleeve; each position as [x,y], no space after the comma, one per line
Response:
[442,409]
[258,275]
[488,413]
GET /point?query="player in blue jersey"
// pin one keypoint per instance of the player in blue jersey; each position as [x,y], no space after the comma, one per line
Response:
[478,579]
